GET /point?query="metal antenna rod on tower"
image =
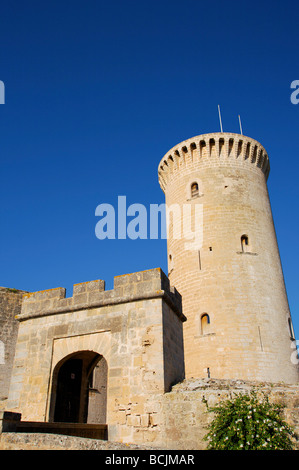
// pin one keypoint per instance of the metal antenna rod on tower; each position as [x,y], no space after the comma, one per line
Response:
[240,125]
[220,118]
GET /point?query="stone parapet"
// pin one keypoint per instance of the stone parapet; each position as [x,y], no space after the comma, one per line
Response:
[127,288]
[221,147]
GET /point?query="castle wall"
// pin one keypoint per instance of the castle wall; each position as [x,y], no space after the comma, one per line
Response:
[184,418]
[240,287]
[10,306]
[178,420]
[136,327]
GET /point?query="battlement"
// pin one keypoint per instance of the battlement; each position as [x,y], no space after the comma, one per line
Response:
[142,285]
[224,147]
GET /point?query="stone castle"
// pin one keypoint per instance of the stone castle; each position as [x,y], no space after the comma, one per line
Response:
[120,357]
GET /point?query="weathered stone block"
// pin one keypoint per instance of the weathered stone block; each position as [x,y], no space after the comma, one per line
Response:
[133,420]
[90,286]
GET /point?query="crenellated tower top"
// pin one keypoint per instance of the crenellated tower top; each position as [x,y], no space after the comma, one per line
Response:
[225,147]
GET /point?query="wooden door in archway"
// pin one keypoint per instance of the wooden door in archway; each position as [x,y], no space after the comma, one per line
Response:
[68,395]
[79,389]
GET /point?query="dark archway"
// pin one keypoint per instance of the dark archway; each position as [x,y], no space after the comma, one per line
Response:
[68,393]
[79,389]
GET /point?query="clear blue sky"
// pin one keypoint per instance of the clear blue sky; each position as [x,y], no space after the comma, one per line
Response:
[97,92]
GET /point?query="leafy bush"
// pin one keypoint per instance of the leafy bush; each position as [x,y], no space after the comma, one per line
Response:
[247,422]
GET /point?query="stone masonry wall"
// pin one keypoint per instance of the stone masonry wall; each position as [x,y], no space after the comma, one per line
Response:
[10,306]
[38,441]
[136,327]
[178,419]
[184,417]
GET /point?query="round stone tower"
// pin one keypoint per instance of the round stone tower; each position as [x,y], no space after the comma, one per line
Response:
[223,258]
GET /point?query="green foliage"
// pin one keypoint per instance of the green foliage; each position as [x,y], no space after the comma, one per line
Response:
[247,422]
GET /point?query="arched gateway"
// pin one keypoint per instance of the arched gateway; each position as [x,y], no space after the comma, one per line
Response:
[79,389]
[99,357]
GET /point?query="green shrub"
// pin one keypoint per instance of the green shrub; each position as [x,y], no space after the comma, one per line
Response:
[247,422]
